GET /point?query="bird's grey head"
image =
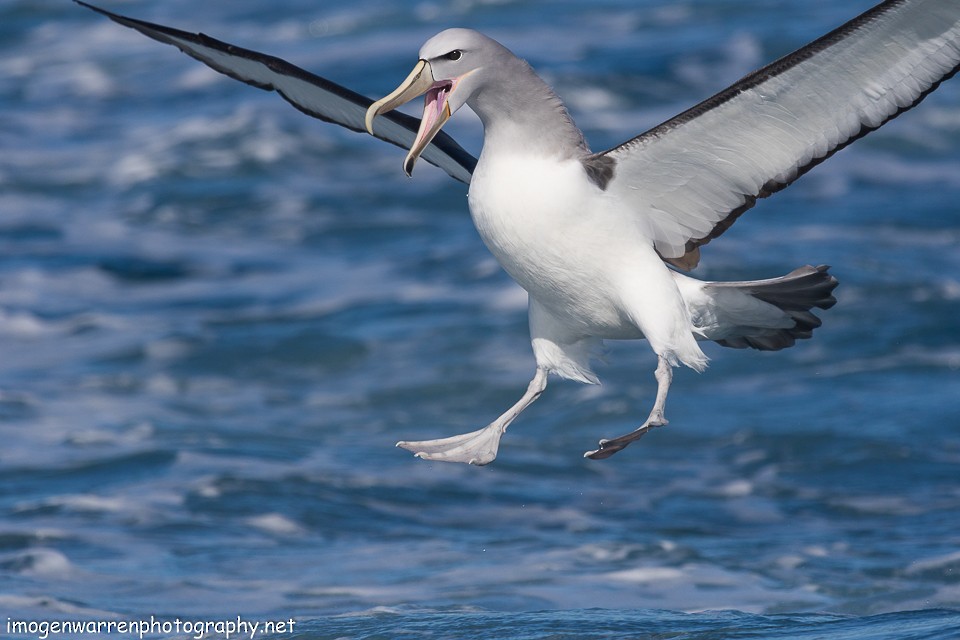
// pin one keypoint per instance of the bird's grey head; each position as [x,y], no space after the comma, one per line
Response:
[463,58]
[453,66]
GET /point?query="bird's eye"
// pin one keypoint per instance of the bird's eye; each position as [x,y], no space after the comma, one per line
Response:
[454,55]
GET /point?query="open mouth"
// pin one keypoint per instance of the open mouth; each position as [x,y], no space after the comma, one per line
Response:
[434,104]
[436,111]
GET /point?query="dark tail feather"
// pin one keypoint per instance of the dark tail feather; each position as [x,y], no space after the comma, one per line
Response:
[796,294]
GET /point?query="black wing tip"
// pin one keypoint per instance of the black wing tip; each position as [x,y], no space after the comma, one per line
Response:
[116,17]
[97,9]
[149,29]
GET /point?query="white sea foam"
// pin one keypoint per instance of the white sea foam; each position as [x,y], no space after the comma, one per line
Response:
[275,524]
[937,563]
[42,562]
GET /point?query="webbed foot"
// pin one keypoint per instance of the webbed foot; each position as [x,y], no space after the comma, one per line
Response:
[607,448]
[477,447]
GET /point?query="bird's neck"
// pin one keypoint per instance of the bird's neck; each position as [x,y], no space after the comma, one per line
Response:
[523,115]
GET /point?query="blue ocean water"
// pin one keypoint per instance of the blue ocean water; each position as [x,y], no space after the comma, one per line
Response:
[218,315]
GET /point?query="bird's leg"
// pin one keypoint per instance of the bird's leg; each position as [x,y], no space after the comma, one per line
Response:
[664,375]
[478,447]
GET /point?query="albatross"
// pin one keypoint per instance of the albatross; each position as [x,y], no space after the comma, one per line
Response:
[602,242]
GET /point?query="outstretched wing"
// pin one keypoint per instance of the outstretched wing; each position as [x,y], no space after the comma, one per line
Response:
[692,176]
[311,94]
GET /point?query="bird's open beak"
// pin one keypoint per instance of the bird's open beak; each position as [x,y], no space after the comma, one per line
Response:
[436,110]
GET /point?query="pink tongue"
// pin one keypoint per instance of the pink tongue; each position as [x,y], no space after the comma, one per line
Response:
[437,98]
[433,103]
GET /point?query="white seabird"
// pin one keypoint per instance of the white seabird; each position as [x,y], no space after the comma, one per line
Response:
[590,235]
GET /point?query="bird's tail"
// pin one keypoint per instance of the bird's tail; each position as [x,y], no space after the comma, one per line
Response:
[763,314]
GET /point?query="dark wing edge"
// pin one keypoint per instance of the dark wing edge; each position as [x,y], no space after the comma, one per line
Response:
[449,155]
[751,80]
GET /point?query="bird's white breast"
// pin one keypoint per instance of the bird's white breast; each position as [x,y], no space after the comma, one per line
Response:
[555,233]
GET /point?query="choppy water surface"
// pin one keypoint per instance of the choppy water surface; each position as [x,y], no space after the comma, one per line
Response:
[218,315]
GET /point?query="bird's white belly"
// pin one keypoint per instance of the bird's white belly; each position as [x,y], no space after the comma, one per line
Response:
[554,233]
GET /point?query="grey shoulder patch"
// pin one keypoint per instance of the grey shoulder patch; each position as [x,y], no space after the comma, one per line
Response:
[600,169]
